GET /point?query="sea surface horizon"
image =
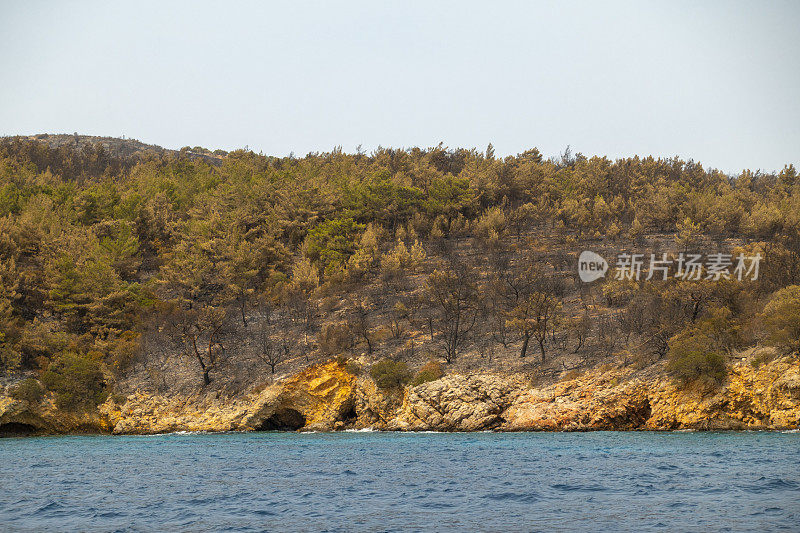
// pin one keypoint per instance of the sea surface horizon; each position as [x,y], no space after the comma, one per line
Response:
[384,481]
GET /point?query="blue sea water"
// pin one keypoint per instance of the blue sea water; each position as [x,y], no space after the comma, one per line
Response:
[604,481]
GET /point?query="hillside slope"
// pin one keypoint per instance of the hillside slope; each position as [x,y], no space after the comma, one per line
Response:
[131,272]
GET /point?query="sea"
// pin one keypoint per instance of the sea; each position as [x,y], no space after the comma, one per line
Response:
[380,481]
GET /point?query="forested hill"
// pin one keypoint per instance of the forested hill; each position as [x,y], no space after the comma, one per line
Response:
[127,265]
[101,150]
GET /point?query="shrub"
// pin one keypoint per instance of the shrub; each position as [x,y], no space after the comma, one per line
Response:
[492,223]
[692,358]
[76,379]
[119,398]
[28,390]
[569,375]
[390,374]
[762,357]
[400,260]
[429,372]
[10,359]
[122,351]
[781,318]
[353,368]
[618,293]
[721,329]
[335,338]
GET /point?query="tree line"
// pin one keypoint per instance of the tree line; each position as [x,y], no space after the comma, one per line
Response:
[103,258]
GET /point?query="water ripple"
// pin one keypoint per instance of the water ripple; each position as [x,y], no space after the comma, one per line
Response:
[373,481]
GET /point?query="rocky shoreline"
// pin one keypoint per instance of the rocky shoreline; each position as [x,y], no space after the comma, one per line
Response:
[329,397]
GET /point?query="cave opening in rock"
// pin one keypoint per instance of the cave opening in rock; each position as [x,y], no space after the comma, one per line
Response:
[645,412]
[348,414]
[285,419]
[16,429]
[636,415]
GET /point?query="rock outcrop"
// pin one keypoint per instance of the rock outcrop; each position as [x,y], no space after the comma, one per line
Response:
[457,403]
[20,418]
[321,398]
[596,400]
[767,397]
[314,399]
[328,397]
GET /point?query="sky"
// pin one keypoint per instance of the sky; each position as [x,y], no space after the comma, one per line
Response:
[716,82]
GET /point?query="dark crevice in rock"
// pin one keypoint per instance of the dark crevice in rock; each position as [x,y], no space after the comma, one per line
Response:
[635,416]
[638,414]
[16,429]
[347,415]
[646,412]
[497,423]
[283,419]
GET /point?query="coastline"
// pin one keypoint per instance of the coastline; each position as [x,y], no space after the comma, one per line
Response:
[327,397]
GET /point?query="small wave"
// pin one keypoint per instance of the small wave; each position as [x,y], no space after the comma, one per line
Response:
[362,430]
[522,497]
[49,509]
[170,434]
[680,505]
[782,484]
[772,484]
[564,487]
[437,505]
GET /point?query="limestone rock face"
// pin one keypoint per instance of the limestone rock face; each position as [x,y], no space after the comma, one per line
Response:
[18,417]
[764,398]
[314,399]
[373,407]
[767,397]
[327,397]
[602,400]
[457,403]
[148,414]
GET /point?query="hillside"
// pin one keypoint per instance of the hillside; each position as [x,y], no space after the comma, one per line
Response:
[136,276]
[113,147]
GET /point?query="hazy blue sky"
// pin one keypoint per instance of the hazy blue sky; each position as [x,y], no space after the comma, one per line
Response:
[713,81]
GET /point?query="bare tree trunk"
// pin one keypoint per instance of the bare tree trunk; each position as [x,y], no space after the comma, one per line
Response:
[369,343]
[203,367]
[524,350]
